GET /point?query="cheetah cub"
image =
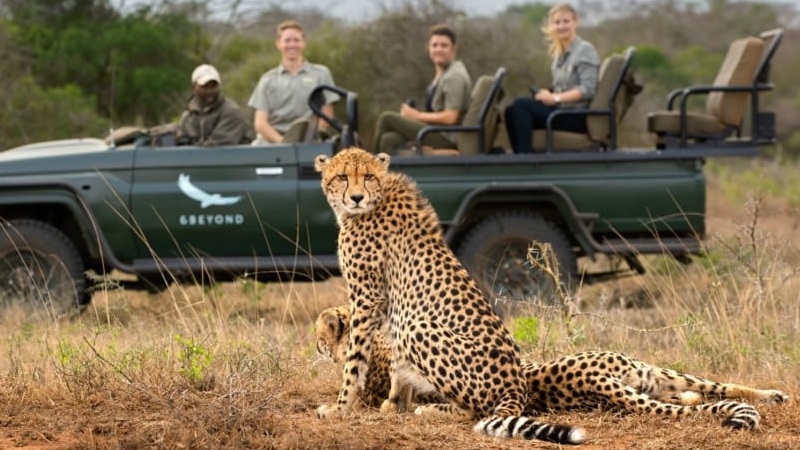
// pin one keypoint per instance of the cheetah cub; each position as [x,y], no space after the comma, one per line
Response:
[445,337]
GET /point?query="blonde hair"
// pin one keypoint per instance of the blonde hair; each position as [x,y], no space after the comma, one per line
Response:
[556,46]
[287,24]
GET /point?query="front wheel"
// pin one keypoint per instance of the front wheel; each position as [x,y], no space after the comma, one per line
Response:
[496,253]
[41,271]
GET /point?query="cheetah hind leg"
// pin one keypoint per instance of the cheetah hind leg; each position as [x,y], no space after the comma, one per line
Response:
[738,415]
[677,387]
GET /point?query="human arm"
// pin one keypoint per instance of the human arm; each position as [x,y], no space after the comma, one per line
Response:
[262,101]
[328,110]
[550,98]
[446,117]
[231,129]
[329,97]
[265,129]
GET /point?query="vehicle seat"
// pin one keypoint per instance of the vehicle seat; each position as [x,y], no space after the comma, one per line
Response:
[477,131]
[301,130]
[738,80]
[614,95]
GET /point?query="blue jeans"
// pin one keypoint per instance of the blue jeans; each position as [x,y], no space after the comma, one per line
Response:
[526,115]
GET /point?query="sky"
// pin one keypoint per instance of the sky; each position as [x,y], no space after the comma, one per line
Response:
[355,10]
[370,8]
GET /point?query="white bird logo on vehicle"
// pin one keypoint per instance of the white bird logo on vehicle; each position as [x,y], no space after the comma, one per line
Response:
[205,199]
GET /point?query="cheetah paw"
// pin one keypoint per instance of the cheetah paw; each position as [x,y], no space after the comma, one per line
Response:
[775,396]
[329,411]
[389,407]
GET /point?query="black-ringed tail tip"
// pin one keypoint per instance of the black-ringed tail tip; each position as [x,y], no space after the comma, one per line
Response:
[527,428]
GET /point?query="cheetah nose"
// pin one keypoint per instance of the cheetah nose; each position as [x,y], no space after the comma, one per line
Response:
[356,198]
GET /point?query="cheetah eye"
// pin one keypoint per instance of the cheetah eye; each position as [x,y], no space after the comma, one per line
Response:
[369,177]
[341,177]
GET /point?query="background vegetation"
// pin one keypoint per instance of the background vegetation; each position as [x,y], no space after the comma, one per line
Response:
[79,67]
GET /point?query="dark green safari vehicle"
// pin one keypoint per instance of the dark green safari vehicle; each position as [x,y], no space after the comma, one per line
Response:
[159,212]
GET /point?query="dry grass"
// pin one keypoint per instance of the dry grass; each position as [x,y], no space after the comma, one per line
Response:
[234,365]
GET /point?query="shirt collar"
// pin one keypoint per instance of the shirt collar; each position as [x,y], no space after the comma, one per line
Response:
[303,68]
[575,41]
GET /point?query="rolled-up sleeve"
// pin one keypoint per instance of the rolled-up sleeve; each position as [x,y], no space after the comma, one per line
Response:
[587,65]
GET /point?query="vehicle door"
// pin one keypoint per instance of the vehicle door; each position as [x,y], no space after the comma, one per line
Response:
[238,201]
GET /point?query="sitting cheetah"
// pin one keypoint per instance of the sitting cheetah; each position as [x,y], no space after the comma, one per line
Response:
[582,381]
[445,337]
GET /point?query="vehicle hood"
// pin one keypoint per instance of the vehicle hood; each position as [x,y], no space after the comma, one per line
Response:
[63,147]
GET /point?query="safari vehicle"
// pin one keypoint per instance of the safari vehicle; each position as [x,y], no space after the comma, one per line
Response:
[75,211]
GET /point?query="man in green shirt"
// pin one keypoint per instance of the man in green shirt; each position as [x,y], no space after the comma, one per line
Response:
[281,95]
[446,100]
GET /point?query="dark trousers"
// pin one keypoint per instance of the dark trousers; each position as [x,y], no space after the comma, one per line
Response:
[526,115]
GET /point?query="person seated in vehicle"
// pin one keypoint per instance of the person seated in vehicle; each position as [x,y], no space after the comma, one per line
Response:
[210,119]
[574,68]
[446,100]
[281,96]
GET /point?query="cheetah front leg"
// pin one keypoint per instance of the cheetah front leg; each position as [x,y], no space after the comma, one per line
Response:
[365,321]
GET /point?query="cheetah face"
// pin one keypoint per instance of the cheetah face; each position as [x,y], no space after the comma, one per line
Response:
[332,329]
[351,180]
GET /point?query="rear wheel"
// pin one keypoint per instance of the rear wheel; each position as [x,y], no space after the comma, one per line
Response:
[41,271]
[497,254]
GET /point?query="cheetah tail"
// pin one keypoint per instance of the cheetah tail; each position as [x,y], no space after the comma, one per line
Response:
[527,428]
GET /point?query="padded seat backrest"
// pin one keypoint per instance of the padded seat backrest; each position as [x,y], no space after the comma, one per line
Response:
[608,76]
[608,89]
[738,69]
[298,131]
[482,112]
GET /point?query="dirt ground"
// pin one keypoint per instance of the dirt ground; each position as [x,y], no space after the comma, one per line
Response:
[134,417]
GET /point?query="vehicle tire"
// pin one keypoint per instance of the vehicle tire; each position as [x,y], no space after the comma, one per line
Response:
[495,252]
[41,271]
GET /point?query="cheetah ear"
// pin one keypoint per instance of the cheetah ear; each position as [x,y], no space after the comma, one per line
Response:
[321,162]
[335,323]
[383,159]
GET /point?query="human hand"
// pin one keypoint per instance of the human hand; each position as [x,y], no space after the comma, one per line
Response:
[545,96]
[409,112]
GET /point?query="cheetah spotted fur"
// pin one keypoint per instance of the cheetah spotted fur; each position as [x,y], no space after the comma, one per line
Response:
[587,380]
[444,335]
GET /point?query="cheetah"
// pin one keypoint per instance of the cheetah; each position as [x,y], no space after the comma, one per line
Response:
[444,335]
[588,380]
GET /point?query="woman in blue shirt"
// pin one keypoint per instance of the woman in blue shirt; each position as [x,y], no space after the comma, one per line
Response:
[575,70]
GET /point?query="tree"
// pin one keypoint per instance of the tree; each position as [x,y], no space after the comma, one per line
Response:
[135,67]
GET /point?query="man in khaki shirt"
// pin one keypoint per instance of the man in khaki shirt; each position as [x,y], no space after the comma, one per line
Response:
[446,100]
[281,95]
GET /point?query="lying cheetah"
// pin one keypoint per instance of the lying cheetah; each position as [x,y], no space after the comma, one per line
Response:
[445,337]
[582,381]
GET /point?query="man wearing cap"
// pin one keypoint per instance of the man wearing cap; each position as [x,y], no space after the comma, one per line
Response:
[210,119]
[281,95]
